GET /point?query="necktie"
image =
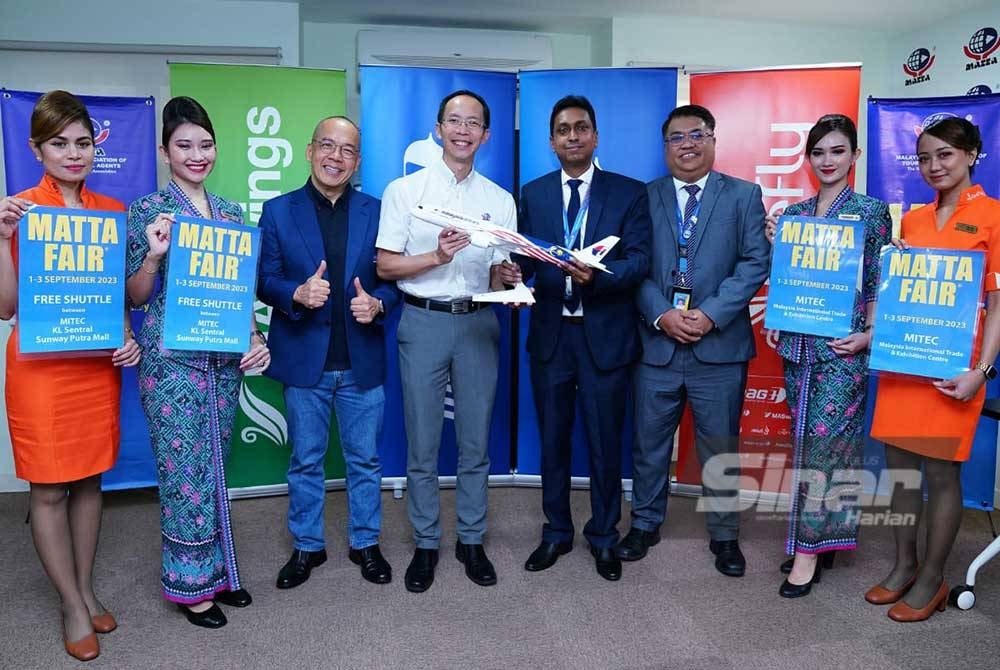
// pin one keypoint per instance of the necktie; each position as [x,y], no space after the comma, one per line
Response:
[572,297]
[687,233]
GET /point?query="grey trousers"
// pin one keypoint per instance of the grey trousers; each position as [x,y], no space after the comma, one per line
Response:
[435,347]
[715,392]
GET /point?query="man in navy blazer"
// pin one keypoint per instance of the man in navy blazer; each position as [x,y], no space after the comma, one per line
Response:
[709,257]
[317,270]
[583,337]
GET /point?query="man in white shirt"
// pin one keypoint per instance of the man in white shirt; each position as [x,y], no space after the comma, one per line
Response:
[443,336]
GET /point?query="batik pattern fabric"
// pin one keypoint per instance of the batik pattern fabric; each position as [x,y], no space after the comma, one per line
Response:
[826,396]
[189,399]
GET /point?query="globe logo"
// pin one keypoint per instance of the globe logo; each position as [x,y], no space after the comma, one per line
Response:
[979,89]
[929,121]
[918,62]
[982,44]
[101,130]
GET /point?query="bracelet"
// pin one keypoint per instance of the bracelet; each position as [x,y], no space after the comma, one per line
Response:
[866,328]
[260,334]
[149,272]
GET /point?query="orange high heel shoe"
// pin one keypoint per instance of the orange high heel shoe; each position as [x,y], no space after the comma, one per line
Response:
[103,623]
[879,595]
[85,649]
[905,614]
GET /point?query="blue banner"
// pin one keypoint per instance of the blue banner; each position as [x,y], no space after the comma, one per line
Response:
[71,280]
[894,176]
[630,143]
[400,104]
[815,275]
[211,282]
[928,311]
[124,139]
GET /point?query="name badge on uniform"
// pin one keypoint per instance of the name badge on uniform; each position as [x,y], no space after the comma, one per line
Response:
[849,217]
[966,228]
[682,298]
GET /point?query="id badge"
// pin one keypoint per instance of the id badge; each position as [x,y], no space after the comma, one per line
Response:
[568,291]
[682,298]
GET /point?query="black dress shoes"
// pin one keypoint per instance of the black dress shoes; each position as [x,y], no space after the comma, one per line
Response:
[238,598]
[477,567]
[420,573]
[635,545]
[826,558]
[297,569]
[210,618]
[374,567]
[789,590]
[609,565]
[728,557]
[546,555]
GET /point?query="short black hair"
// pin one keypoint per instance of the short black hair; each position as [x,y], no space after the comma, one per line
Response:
[571,102]
[830,123]
[689,110]
[181,110]
[454,94]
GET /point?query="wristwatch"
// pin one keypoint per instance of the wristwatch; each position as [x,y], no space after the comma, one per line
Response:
[988,370]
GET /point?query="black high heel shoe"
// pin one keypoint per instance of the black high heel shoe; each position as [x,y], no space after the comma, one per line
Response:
[826,558]
[213,617]
[789,590]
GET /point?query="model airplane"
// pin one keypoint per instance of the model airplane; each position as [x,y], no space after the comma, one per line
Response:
[485,234]
[519,295]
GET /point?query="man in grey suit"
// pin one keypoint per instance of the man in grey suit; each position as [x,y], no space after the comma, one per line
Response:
[709,257]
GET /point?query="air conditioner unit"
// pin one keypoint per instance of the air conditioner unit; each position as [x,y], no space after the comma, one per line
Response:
[458,49]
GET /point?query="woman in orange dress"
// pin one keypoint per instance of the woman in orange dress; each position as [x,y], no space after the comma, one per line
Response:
[962,217]
[63,412]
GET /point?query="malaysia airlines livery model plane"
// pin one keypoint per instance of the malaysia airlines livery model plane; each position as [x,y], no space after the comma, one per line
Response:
[484,234]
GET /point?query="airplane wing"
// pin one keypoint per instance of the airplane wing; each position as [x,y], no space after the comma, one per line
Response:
[520,294]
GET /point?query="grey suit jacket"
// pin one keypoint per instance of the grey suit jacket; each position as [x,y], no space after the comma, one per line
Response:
[729,262]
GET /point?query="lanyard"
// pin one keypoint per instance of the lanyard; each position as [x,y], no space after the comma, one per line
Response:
[570,236]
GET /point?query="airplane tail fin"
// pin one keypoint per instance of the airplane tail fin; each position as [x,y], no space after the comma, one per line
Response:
[596,252]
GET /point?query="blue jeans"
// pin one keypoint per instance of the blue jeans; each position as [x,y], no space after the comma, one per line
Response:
[359,418]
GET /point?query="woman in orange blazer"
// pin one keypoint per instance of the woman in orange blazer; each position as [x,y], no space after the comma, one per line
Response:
[962,217]
[63,412]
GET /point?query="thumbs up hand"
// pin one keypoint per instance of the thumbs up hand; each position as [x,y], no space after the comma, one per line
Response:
[315,291]
[364,307]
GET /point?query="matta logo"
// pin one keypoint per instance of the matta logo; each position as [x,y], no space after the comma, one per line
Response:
[102,130]
[980,48]
[917,64]
[979,89]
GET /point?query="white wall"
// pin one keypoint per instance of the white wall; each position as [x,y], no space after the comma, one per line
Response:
[178,22]
[701,43]
[945,39]
[334,45]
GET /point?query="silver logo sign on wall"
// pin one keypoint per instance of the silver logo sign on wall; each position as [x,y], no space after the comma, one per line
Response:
[981,48]
[917,64]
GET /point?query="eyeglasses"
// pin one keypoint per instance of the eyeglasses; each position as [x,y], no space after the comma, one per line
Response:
[581,128]
[695,137]
[454,123]
[326,147]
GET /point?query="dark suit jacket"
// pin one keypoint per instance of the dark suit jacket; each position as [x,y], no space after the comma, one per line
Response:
[618,206]
[730,261]
[291,250]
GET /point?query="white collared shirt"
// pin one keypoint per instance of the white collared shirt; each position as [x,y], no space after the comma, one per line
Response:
[587,178]
[682,195]
[476,196]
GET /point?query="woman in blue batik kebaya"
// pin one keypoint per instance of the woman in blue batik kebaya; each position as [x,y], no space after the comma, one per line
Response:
[826,379]
[189,397]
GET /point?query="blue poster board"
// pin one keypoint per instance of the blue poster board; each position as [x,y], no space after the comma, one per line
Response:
[71,280]
[928,310]
[815,275]
[211,282]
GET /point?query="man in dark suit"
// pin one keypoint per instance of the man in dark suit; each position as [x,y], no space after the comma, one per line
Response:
[709,257]
[583,337]
[317,270]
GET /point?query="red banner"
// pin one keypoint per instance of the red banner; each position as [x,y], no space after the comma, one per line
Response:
[762,121]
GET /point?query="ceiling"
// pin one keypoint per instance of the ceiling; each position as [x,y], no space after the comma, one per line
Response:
[585,16]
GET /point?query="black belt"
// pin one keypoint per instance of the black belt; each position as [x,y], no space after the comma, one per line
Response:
[578,320]
[463,306]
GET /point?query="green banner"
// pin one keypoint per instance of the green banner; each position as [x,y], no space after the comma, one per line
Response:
[263,118]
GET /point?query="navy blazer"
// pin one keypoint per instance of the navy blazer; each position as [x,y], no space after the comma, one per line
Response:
[731,259]
[291,250]
[618,206]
